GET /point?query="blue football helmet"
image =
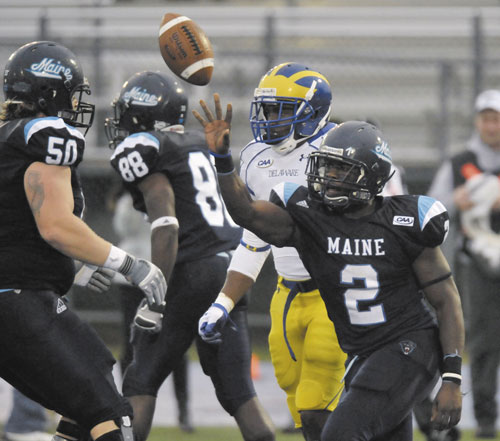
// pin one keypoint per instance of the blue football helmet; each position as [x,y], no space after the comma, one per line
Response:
[291,103]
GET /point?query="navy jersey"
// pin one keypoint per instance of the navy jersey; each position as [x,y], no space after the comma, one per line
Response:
[363,267]
[205,227]
[26,260]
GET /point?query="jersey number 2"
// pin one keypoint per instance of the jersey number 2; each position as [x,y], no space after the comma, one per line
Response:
[353,296]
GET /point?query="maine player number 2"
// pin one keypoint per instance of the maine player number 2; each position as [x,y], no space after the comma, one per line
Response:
[353,296]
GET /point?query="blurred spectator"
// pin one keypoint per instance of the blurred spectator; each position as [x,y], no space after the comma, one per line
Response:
[468,186]
[135,232]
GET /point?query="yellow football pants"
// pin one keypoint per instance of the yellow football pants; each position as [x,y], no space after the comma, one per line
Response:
[313,381]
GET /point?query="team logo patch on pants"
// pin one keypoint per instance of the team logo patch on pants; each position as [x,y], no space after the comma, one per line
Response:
[407,346]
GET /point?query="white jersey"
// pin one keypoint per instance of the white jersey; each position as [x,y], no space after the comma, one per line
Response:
[261,168]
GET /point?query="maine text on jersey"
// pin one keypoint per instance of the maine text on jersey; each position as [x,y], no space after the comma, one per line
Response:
[356,247]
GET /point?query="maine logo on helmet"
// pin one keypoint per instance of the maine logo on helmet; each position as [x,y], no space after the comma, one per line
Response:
[290,104]
[140,97]
[48,68]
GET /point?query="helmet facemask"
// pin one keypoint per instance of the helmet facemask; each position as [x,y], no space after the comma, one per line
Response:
[114,132]
[276,121]
[339,183]
[80,113]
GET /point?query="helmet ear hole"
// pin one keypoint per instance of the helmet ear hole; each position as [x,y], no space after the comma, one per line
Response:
[42,103]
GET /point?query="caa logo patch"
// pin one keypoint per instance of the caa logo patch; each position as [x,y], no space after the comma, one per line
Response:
[405,221]
[263,163]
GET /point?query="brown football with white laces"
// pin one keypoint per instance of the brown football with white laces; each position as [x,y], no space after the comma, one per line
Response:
[186,49]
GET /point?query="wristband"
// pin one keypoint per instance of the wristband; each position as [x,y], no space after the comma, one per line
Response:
[119,260]
[165,221]
[224,300]
[223,163]
[452,368]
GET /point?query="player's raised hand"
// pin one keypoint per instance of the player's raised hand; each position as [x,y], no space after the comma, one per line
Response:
[217,129]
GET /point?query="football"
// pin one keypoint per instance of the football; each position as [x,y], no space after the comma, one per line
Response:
[186,49]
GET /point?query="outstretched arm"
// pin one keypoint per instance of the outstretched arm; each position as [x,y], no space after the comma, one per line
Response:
[267,220]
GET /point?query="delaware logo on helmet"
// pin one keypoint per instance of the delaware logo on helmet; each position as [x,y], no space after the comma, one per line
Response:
[48,68]
[140,97]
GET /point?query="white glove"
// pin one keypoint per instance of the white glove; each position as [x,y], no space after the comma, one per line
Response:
[150,279]
[149,318]
[97,279]
[211,323]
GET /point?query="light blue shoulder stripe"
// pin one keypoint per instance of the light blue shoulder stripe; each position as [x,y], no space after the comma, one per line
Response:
[37,124]
[427,209]
[285,190]
[142,138]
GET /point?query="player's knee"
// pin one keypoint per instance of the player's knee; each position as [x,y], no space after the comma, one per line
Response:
[310,396]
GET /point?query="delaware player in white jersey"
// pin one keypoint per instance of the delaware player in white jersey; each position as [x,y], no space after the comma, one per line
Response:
[289,119]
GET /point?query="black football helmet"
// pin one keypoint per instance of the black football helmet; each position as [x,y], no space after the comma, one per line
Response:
[351,166]
[147,101]
[48,76]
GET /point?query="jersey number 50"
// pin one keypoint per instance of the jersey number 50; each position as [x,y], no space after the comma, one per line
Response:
[61,151]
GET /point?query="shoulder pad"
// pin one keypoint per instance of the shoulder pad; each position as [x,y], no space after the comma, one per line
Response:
[50,122]
[433,221]
[283,192]
[54,142]
[135,140]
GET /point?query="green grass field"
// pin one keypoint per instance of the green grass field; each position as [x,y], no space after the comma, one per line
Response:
[232,434]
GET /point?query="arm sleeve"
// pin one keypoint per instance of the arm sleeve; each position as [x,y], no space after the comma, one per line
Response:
[250,255]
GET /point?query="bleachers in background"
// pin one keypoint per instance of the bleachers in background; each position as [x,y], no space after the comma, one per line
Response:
[410,68]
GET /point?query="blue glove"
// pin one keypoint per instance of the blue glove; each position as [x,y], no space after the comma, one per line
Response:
[212,322]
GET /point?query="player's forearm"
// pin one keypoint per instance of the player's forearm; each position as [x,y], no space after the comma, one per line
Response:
[450,319]
[164,245]
[236,285]
[237,198]
[74,238]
